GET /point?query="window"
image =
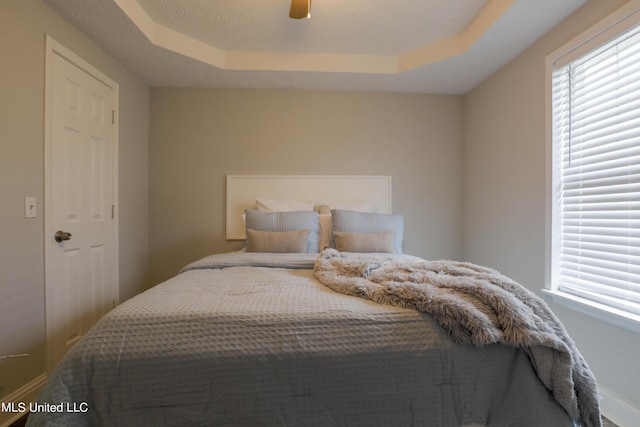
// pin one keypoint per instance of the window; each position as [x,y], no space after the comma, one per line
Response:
[595,185]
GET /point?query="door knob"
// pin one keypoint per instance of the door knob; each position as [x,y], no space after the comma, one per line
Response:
[62,235]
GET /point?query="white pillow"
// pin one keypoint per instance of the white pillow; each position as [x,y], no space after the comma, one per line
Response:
[349,206]
[271,205]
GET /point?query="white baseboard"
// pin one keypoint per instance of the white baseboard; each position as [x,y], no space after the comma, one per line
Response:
[617,409]
[27,394]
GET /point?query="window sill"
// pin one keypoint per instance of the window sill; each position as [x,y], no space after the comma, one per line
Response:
[613,316]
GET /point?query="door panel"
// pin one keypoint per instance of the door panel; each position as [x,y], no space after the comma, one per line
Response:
[81,280]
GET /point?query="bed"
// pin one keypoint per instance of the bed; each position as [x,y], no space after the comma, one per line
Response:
[282,338]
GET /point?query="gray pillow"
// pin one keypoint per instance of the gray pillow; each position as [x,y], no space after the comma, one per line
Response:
[285,221]
[277,241]
[381,242]
[365,222]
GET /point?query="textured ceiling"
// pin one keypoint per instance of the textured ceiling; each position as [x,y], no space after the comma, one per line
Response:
[435,46]
[337,26]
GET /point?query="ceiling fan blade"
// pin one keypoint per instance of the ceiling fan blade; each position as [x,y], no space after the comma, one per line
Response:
[299,9]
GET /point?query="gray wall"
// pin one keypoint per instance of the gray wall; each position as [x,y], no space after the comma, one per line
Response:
[198,136]
[23,24]
[504,194]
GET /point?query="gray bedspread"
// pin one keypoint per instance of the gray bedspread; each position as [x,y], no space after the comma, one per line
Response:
[256,340]
[477,306]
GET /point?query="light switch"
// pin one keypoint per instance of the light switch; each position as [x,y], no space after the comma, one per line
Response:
[30,207]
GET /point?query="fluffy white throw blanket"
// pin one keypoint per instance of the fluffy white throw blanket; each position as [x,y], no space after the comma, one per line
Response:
[476,306]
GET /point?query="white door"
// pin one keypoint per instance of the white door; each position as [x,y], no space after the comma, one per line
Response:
[81,269]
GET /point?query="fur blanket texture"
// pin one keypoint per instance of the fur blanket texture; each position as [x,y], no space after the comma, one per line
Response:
[476,306]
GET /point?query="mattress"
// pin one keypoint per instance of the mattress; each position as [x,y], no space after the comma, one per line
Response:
[255,340]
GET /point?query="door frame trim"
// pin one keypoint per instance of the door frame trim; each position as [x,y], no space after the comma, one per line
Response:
[53,47]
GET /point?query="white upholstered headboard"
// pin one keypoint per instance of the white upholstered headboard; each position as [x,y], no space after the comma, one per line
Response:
[242,191]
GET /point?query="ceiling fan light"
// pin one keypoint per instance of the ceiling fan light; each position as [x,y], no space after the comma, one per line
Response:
[300,9]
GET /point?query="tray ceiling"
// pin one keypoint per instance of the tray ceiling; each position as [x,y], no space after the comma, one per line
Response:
[435,46]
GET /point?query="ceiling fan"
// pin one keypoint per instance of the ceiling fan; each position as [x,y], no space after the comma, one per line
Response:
[300,9]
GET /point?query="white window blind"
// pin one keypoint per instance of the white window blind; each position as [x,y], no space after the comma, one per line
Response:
[596,174]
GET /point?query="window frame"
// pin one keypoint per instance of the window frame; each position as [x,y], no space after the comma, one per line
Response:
[610,27]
